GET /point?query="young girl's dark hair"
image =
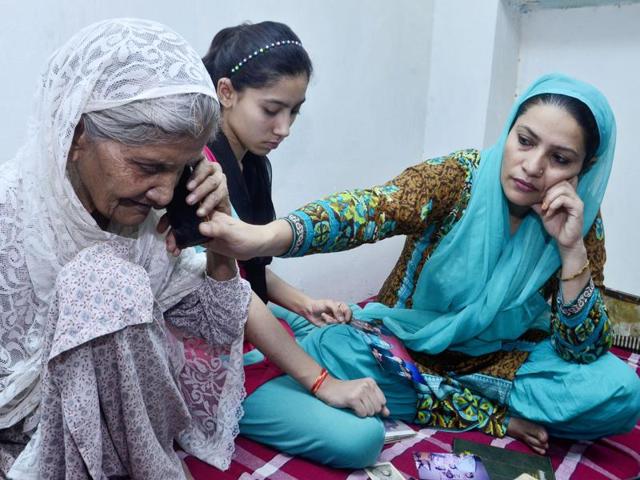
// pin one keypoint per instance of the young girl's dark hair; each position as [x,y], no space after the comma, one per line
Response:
[579,111]
[233,45]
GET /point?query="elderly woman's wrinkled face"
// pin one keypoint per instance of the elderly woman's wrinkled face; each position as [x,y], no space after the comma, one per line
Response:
[123,183]
[544,147]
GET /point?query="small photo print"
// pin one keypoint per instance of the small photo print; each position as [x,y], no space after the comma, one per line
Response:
[395,430]
[384,471]
[449,466]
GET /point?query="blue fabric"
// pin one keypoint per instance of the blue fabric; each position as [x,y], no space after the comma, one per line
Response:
[281,413]
[480,286]
[285,416]
[547,390]
[561,396]
[300,326]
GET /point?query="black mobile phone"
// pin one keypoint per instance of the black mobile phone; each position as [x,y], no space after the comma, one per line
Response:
[182,216]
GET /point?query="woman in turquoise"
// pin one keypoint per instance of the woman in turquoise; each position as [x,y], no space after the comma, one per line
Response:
[492,318]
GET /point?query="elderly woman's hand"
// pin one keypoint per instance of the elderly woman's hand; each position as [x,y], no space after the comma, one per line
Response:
[208,187]
[208,190]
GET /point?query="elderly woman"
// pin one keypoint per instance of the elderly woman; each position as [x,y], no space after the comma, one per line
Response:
[93,303]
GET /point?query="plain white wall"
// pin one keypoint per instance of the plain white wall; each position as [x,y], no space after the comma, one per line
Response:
[459,74]
[504,70]
[602,46]
[362,124]
[473,73]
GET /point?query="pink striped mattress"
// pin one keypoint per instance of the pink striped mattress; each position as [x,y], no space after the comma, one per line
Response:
[612,458]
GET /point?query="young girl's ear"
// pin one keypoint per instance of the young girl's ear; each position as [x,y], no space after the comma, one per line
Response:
[226,93]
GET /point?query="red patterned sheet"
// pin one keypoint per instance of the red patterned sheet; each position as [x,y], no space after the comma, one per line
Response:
[612,458]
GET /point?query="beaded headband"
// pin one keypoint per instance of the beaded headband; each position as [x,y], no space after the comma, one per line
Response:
[264,49]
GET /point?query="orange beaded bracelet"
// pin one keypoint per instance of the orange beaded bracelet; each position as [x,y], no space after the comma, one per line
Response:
[316,385]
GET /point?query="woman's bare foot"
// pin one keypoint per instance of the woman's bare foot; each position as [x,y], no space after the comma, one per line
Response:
[530,433]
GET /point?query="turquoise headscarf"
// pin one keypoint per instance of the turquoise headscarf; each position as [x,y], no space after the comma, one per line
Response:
[479,289]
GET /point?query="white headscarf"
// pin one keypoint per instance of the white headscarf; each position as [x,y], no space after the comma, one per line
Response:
[43,225]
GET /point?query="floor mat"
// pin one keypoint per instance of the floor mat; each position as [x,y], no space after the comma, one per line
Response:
[614,458]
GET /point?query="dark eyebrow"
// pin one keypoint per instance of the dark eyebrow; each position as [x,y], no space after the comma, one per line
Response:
[557,147]
[566,149]
[529,131]
[283,104]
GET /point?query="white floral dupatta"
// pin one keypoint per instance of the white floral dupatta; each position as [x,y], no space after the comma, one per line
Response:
[43,225]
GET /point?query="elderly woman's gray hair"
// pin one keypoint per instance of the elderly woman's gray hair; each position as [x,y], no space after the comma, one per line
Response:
[156,120]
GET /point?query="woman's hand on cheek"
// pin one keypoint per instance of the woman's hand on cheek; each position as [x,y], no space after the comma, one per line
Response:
[208,187]
[562,213]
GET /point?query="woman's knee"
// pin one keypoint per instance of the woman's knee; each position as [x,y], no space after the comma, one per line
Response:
[283,416]
[579,401]
[612,409]
[626,400]
[356,445]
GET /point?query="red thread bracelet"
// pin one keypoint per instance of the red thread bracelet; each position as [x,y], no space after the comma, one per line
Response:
[318,383]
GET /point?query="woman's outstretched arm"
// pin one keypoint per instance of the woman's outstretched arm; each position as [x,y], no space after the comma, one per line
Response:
[409,204]
[363,395]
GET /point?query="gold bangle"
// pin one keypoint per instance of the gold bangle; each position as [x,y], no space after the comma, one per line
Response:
[578,273]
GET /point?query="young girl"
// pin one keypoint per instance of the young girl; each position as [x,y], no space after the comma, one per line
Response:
[261,74]
[495,297]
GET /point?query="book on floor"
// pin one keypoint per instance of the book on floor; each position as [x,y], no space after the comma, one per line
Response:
[504,464]
[395,430]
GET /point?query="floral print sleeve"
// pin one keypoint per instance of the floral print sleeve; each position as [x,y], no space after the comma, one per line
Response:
[407,205]
[216,312]
[581,329]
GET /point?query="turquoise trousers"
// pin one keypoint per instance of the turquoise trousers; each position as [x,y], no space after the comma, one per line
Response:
[570,400]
